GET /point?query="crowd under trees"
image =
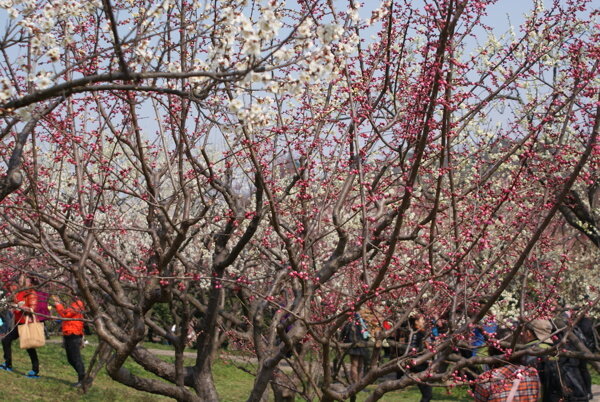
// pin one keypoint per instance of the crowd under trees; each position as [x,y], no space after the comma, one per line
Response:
[255,172]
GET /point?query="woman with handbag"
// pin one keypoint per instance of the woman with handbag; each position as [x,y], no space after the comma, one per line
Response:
[26,301]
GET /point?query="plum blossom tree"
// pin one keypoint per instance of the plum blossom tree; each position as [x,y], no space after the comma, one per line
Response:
[260,171]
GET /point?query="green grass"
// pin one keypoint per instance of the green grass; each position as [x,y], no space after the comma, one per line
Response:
[56,377]
[412,394]
[233,384]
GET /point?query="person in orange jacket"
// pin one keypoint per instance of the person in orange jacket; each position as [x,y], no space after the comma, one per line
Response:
[26,301]
[72,329]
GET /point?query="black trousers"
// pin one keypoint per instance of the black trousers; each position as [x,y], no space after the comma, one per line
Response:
[73,348]
[585,374]
[7,347]
[426,392]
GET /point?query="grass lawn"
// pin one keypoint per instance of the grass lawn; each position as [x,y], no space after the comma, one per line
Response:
[233,384]
[56,377]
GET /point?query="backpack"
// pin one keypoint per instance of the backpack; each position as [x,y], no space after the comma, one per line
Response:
[42,306]
[584,330]
[355,330]
[7,321]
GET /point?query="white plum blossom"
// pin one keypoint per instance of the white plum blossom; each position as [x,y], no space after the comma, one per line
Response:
[295,88]
[346,48]
[42,80]
[353,14]
[236,105]
[53,54]
[174,67]
[255,112]
[329,32]
[49,11]
[314,66]
[379,13]
[247,29]
[195,80]
[227,13]
[258,77]
[6,89]
[305,77]
[24,113]
[199,65]
[252,45]
[284,53]
[36,44]
[29,25]
[329,65]
[161,8]
[143,52]
[227,39]
[12,13]
[273,86]
[29,5]
[69,29]
[269,25]
[305,28]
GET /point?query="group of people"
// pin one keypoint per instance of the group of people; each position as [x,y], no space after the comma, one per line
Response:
[31,304]
[532,375]
[537,373]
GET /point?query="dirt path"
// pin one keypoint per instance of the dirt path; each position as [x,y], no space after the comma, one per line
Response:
[164,352]
[596,392]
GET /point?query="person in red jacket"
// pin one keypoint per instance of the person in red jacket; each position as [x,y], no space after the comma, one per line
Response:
[72,329]
[26,301]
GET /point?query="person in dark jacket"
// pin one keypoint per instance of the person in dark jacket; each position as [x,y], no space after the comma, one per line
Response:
[561,377]
[585,331]
[412,335]
[417,343]
[357,334]
[72,329]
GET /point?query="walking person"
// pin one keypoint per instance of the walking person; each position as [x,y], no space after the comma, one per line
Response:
[26,301]
[416,342]
[357,334]
[413,335]
[42,313]
[72,329]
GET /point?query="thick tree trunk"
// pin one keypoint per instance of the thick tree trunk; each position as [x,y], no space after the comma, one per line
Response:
[10,183]
[101,356]
[264,377]
[161,368]
[204,383]
[281,392]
